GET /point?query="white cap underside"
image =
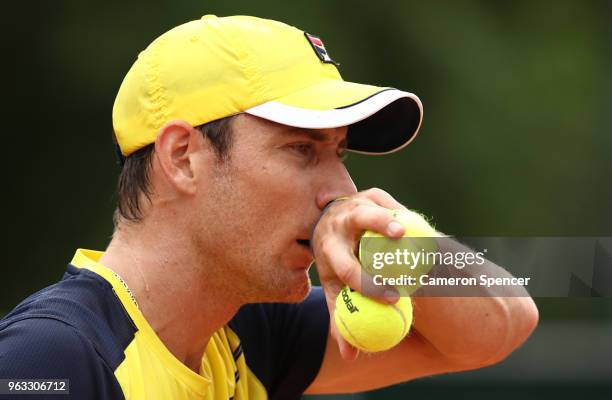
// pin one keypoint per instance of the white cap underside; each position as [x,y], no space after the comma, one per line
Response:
[320,119]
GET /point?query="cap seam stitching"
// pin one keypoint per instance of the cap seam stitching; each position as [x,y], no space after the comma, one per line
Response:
[156,90]
[253,75]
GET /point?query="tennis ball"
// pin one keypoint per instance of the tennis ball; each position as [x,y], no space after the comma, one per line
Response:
[369,325]
[402,257]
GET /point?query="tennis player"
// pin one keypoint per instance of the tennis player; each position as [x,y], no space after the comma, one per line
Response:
[231,132]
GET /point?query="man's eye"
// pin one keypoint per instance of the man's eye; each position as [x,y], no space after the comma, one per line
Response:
[306,149]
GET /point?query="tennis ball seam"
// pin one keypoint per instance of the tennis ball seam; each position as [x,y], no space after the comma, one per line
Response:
[405,324]
[347,330]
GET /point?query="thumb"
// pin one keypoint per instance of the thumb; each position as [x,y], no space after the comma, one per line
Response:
[347,351]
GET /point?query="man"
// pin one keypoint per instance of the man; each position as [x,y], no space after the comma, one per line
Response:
[232,132]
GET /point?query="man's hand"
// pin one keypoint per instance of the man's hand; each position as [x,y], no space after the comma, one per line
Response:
[489,327]
[335,239]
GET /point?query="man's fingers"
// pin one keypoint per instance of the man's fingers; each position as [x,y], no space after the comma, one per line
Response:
[385,294]
[382,198]
[346,266]
[374,218]
[347,351]
[339,266]
[347,271]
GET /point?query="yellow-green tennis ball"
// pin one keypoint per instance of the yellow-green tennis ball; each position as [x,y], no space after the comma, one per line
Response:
[369,325]
[377,253]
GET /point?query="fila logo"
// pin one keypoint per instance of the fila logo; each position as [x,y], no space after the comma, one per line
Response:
[319,48]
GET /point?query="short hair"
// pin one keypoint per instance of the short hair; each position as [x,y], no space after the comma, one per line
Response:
[134,186]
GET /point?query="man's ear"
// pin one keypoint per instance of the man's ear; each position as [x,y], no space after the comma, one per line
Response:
[177,146]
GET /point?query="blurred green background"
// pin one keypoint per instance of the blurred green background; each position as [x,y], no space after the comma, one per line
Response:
[516,141]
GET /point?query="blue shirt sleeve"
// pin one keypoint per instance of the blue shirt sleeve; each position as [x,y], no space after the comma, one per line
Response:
[284,344]
[46,348]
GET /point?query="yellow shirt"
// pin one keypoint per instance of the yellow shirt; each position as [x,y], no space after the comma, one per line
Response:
[267,351]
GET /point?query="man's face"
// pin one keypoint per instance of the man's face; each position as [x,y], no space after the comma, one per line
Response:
[257,210]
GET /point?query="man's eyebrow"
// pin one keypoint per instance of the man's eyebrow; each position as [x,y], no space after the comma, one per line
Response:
[314,134]
[311,133]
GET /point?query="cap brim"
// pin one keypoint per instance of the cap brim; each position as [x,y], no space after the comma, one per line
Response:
[380,120]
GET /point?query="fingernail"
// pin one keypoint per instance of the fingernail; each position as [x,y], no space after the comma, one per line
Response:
[391,295]
[395,228]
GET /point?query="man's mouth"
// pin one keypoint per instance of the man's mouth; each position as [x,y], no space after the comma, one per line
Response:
[304,242]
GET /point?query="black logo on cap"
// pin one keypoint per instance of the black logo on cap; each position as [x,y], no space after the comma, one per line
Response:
[319,48]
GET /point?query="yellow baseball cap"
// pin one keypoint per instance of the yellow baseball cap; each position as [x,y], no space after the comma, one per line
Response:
[214,67]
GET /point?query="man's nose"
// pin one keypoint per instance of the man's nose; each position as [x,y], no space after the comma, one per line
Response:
[337,182]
